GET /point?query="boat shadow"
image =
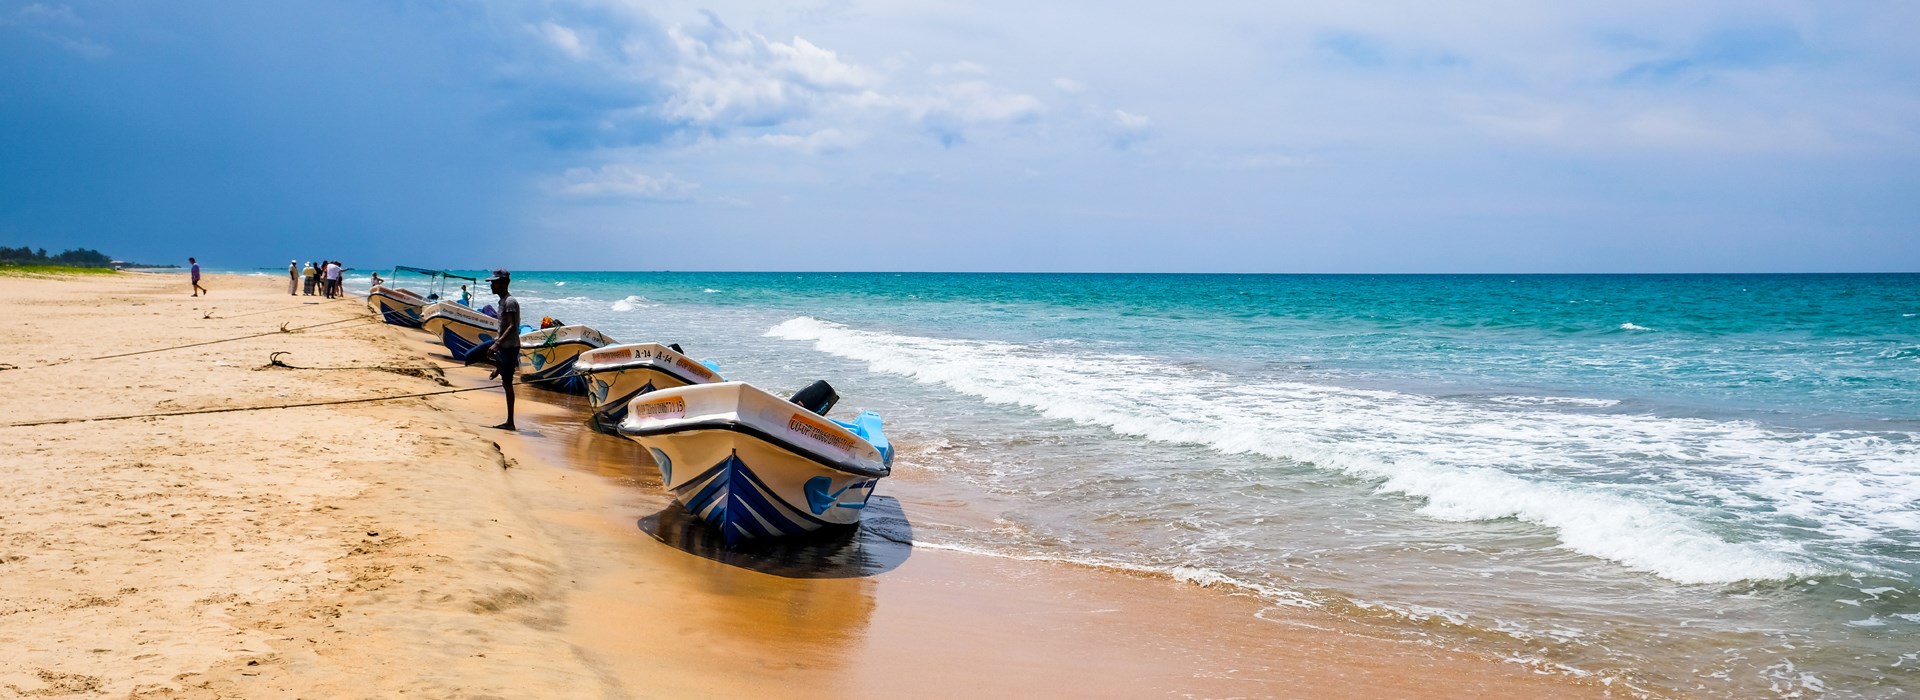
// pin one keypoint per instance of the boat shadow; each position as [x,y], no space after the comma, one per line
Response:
[881,543]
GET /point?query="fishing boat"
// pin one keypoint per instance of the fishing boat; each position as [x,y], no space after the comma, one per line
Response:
[400,307]
[757,466]
[459,328]
[547,356]
[617,373]
[403,306]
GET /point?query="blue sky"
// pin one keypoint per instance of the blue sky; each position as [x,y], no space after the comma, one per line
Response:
[982,135]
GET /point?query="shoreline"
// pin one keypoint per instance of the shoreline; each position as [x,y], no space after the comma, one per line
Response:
[401,547]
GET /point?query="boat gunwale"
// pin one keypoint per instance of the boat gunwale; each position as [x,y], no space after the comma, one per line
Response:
[437,314]
[651,363]
[734,425]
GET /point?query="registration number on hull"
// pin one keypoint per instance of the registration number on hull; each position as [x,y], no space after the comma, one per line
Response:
[671,407]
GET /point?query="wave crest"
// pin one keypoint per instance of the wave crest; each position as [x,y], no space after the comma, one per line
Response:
[1468,463]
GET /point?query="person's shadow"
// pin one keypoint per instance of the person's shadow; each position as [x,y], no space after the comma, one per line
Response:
[881,542]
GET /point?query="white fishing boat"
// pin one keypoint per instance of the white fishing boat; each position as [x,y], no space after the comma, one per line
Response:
[547,356]
[459,328]
[757,466]
[403,306]
[400,307]
[617,373]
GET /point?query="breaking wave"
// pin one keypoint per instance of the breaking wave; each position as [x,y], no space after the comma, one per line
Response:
[1708,519]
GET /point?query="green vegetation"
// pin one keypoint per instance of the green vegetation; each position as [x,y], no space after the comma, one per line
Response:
[78,257]
[27,261]
[12,270]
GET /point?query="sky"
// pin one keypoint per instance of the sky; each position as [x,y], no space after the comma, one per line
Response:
[1629,136]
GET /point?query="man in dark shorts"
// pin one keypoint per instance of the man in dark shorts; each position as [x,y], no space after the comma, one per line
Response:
[506,347]
[194,272]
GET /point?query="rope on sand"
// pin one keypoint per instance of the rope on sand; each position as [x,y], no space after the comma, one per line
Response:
[432,372]
[208,316]
[275,361]
[283,329]
[238,409]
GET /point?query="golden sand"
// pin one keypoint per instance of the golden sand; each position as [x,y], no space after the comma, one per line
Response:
[399,548]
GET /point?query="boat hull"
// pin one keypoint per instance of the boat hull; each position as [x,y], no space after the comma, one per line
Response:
[459,328]
[752,488]
[615,374]
[399,307]
[547,357]
[754,465]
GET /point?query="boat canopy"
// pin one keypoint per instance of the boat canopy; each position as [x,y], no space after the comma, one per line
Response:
[436,279]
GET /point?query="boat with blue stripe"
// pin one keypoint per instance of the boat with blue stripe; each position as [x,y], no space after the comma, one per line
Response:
[617,373]
[547,356]
[403,306]
[757,466]
[400,307]
[459,328]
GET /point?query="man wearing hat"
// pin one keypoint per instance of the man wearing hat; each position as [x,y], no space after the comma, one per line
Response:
[293,278]
[506,347]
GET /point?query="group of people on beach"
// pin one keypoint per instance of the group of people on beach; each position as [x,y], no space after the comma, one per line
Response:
[322,278]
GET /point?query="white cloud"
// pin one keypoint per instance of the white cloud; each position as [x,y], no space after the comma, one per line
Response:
[565,39]
[53,23]
[822,141]
[975,102]
[1069,86]
[623,182]
[956,68]
[48,14]
[729,78]
[1130,121]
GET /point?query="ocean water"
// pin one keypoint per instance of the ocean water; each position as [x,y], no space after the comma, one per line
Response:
[1679,485]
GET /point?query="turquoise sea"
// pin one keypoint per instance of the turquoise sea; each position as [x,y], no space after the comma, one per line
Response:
[1700,485]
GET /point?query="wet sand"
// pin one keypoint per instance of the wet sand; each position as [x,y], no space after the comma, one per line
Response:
[375,549]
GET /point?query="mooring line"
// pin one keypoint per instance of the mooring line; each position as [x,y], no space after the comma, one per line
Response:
[238,409]
[274,361]
[208,316]
[283,329]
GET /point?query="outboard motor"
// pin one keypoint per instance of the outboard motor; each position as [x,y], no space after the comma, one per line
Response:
[818,397]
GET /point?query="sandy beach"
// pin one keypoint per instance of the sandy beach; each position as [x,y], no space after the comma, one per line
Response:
[401,548]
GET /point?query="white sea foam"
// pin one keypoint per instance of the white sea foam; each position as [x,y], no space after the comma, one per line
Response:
[1629,326]
[632,302]
[1204,578]
[1557,469]
[1555,401]
[559,284]
[711,291]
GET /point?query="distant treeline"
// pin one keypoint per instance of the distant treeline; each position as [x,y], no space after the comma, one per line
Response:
[78,257]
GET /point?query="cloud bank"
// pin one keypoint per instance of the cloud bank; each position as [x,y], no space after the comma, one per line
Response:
[1391,137]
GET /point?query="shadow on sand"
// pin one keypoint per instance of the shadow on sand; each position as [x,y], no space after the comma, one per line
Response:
[882,542]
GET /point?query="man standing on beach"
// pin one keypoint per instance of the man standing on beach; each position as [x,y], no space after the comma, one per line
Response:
[333,279]
[293,278]
[194,273]
[506,346]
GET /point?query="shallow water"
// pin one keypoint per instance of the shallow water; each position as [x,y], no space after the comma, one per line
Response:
[1701,484]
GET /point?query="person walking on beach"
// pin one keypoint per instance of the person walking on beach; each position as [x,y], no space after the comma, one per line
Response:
[293,278]
[506,347]
[194,273]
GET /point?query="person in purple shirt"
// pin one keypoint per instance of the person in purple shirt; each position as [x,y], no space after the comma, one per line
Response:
[195,274]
